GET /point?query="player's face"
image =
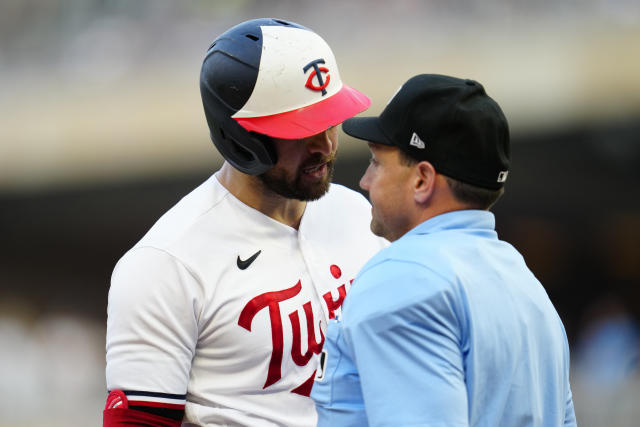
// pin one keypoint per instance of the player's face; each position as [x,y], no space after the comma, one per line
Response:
[305,166]
[388,182]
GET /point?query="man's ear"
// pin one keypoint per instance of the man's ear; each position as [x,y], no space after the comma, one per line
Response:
[424,182]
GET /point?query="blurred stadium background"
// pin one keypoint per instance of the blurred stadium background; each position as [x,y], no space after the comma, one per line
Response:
[101,130]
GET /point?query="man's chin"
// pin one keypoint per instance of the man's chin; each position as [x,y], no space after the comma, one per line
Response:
[310,190]
[313,192]
[379,230]
[298,190]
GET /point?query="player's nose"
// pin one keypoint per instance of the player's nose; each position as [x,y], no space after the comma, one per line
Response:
[320,143]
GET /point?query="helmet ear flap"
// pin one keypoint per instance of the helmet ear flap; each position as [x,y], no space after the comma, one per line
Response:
[249,152]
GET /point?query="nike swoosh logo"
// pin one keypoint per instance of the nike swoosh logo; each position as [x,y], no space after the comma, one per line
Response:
[244,264]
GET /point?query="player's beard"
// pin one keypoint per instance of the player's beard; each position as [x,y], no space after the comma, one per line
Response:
[281,182]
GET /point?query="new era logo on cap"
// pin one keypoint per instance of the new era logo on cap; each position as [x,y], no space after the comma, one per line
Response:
[502,176]
[416,141]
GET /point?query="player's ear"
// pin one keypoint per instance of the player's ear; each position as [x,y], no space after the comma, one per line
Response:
[423,182]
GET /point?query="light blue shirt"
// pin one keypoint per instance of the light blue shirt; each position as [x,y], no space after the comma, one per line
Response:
[446,327]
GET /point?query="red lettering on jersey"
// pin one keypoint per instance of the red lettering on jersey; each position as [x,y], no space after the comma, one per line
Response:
[271,300]
[305,388]
[334,305]
[296,345]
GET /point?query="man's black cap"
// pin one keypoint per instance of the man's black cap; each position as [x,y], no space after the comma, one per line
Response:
[450,122]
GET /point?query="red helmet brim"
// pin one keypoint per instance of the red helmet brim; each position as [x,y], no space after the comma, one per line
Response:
[311,120]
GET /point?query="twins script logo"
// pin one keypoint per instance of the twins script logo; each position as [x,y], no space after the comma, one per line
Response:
[317,70]
[271,301]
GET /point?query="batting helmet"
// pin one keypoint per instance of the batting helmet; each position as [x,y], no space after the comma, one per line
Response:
[271,78]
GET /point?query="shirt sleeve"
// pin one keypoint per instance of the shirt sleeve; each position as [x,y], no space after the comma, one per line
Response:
[570,415]
[403,329]
[152,323]
[569,412]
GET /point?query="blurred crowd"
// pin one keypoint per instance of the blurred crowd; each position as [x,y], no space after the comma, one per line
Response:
[51,370]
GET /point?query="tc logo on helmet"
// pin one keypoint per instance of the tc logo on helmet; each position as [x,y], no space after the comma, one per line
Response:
[317,70]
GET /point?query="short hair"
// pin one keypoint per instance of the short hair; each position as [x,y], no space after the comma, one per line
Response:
[473,196]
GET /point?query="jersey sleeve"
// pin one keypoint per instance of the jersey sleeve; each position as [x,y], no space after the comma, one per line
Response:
[152,323]
[402,328]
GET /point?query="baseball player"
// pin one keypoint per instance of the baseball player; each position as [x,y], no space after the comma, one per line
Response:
[447,326]
[218,315]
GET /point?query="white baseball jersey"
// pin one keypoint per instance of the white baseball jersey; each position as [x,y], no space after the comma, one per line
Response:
[223,308]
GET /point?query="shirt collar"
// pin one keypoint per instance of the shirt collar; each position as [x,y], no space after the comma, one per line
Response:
[467,219]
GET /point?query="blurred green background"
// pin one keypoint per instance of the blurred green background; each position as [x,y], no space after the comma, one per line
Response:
[102,130]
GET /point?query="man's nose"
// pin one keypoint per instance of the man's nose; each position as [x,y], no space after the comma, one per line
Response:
[320,143]
[364,181]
